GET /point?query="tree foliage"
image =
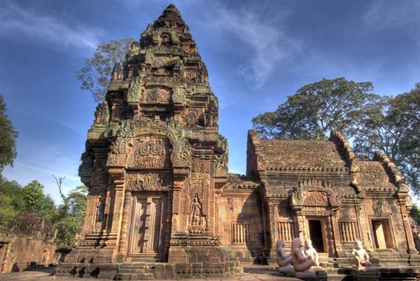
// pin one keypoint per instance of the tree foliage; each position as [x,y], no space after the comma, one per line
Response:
[393,127]
[11,200]
[14,198]
[96,74]
[415,213]
[316,109]
[8,136]
[373,123]
[72,213]
[66,218]
[43,204]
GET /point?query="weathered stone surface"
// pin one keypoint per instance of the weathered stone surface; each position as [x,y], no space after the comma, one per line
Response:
[28,243]
[161,202]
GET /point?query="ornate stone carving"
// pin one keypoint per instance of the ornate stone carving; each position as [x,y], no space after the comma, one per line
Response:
[313,183]
[117,73]
[86,168]
[99,175]
[178,95]
[316,199]
[221,166]
[200,166]
[102,114]
[134,90]
[150,153]
[163,151]
[158,181]
[198,223]
[156,95]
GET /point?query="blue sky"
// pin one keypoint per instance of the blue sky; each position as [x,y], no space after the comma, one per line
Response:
[257,53]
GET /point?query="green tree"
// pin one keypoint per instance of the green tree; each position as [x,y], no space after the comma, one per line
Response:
[7,211]
[8,136]
[316,109]
[96,74]
[72,214]
[12,200]
[33,195]
[392,126]
[13,190]
[415,213]
[43,204]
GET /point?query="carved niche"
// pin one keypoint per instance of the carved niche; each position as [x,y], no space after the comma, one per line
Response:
[197,221]
[221,166]
[133,91]
[150,152]
[199,192]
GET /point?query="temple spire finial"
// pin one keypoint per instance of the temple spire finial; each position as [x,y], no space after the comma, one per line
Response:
[170,17]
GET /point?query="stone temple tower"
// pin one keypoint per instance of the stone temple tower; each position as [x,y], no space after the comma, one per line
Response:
[162,205]
[154,164]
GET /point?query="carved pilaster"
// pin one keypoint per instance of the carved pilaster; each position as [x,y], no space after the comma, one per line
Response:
[272,243]
[122,250]
[337,249]
[91,214]
[407,228]
[359,213]
[118,175]
[301,225]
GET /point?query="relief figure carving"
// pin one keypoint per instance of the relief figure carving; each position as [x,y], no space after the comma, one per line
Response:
[198,221]
[149,181]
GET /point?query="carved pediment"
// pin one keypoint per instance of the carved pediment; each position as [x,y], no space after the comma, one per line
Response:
[305,195]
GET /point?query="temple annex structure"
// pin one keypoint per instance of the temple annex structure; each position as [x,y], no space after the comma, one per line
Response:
[162,204]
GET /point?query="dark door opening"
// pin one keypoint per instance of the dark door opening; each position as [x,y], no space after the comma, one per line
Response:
[315,234]
[382,234]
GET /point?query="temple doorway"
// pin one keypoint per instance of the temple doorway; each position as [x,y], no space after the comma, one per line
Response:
[381,234]
[317,234]
[148,227]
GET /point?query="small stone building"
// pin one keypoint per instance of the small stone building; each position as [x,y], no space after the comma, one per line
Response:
[161,203]
[28,243]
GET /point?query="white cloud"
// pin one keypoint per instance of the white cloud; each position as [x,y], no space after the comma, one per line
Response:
[24,24]
[266,42]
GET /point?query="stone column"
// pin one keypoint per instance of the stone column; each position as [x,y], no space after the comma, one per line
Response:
[118,175]
[272,259]
[407,228]
[179,237]
[337,251]
[91,212]
[301,225]
[122,249]
[357,208]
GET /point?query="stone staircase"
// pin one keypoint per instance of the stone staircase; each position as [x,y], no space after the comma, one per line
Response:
[135,271]
[335,269]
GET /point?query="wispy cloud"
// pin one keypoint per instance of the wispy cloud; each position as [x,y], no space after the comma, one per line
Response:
[385,14]
[395,17]
[25,24]
[264,37]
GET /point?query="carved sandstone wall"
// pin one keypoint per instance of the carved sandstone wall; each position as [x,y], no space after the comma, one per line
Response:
[28,243]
